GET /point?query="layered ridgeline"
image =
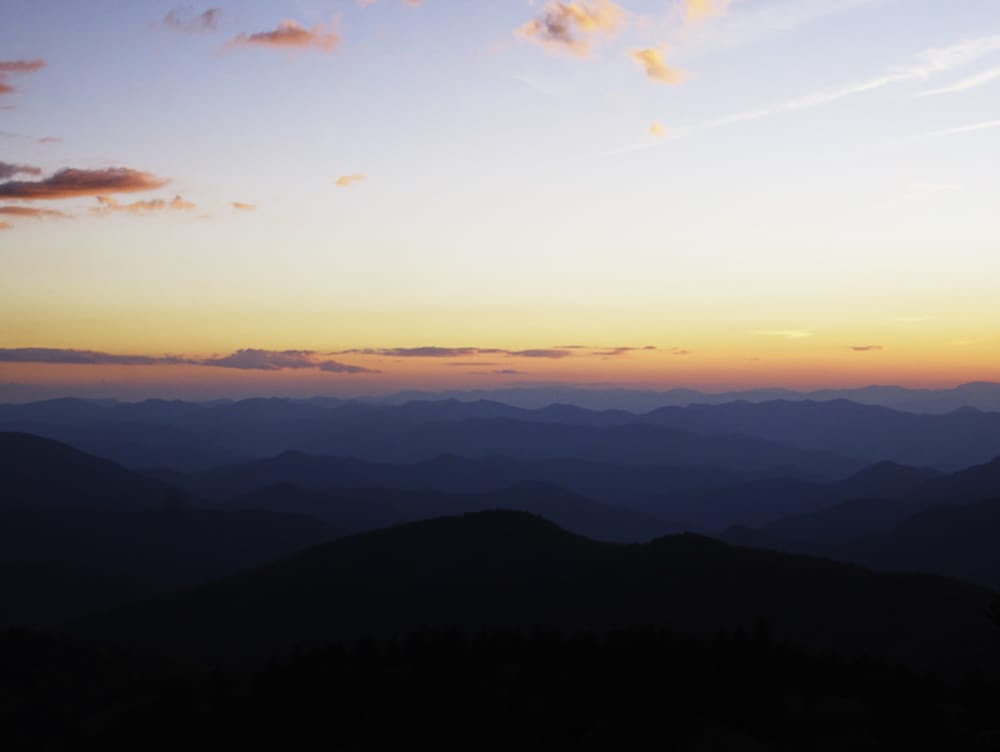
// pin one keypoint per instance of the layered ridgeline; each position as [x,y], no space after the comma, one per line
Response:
[78,532]
[948,524]
[699,498]
[806,438]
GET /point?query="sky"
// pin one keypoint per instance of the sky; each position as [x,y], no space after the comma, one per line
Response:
[353,197]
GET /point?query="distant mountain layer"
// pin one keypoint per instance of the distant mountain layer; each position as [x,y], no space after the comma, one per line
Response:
[791,438]
[186,436]
[701,499]
[978,395]
[78,532]
[512,570]
[946,524]
[39,473]
[360,509]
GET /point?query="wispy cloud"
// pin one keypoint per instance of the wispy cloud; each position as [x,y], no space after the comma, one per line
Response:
[84,357]
[418,352]
[786,333]
[973,82]
[809,101]
[243,206]
[292,35]
[911,319]
[571,27]
[6,226]
[610,352]
[32,212]
[252,359]
[109,205]
[926,64]
[961,129]
[21,66]
[187,21]
[546,353]
[867,348]
[456,352]
[71,183]
[656,67]
[8,170]
[249,359]
[346,180]
[17,68]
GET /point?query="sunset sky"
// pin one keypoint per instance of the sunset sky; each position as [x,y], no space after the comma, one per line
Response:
[344,197]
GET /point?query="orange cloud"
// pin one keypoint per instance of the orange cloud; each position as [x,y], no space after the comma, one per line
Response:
[456,352]
[243,206]
[345,180]
[568,27]
[552,354]
[109,204]
[181,19]
[6,226]
[71,183]
[32,213]
[249,359]
[698,10]
[16,67]
[867,348]
[656,67]
[48,140]
[21,66]
[291,35]
[8,170]
[270,360]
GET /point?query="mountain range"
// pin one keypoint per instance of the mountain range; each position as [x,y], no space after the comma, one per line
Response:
[820,440]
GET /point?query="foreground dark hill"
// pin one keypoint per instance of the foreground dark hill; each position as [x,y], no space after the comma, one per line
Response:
[512,570]
[39,473]
[360,509]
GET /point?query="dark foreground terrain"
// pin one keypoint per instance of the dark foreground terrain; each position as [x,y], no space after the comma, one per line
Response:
[634,689]
[288,603]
